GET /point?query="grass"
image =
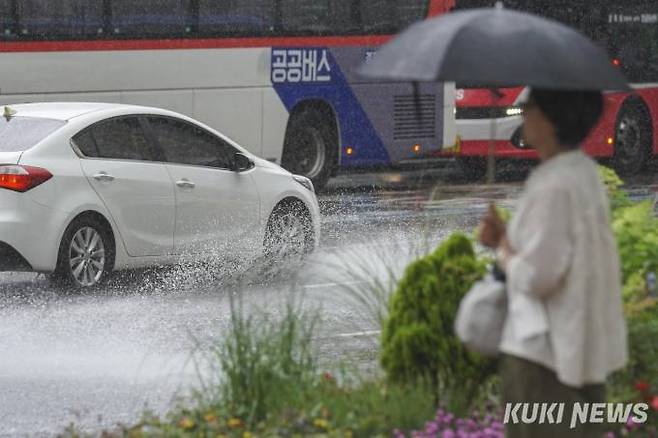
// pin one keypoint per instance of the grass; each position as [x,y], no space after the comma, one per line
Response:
[265,382]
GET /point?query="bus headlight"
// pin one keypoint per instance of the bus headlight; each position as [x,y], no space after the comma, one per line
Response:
[307,183]
[513,111]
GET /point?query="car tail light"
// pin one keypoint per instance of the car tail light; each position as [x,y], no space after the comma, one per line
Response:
[22,178]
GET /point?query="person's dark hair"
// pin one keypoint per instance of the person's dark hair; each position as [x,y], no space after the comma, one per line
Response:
[574,113]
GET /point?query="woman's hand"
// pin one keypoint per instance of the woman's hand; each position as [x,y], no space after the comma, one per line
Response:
[492,228]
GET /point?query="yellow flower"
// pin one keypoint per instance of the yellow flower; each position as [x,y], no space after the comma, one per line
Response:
[186,423]
[210,418]
[234,423]
[348,434]
[321,423]
[247,435]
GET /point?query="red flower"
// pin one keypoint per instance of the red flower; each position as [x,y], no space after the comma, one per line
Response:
[642,386]
[654,403]
[328,377]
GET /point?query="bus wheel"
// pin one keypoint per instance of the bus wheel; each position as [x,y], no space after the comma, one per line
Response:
[311,147]
[632,140]
[473,168]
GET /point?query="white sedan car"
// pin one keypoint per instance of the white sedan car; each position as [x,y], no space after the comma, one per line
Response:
[88,188]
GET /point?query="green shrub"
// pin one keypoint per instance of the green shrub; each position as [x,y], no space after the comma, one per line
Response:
[418,339]
[643,357]
[618,197]
[636,229]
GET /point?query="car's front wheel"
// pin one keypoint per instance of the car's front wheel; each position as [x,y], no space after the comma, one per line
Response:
[86,253]
[289,233]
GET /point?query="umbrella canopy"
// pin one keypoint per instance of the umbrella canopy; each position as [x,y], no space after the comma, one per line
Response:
[496,47]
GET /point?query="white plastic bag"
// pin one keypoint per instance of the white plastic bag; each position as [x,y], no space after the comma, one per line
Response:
[481,316]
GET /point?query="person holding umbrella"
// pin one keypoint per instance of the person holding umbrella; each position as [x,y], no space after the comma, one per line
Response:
[564,332]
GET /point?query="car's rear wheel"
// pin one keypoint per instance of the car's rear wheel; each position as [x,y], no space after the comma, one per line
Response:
[86,254]
[633,140]
[289,233]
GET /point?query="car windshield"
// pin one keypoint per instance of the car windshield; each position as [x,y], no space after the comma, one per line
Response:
[21,133]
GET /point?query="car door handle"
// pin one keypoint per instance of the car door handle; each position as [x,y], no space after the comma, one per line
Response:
[185,184]
[104,177]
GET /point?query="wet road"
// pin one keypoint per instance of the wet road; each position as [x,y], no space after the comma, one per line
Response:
[98,360]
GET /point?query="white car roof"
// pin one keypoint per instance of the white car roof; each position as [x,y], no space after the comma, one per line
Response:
[69,110]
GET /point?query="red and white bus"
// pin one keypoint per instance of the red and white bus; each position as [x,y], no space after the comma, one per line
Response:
[627,135]
[276,75]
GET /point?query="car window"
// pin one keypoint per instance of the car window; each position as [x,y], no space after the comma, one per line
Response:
[124,139]
[19,134]
[184,143]
[86,144]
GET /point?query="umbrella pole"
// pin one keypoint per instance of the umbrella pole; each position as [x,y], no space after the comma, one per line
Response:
[496,95]
[491,159]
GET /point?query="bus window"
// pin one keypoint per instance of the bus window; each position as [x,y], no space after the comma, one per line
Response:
[145,18]
[39,19]
[410,11]
[391,16]
[322,17]
[6,19]
[236,17]
[305,18]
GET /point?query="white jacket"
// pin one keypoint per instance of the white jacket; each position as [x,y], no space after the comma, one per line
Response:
[564,282]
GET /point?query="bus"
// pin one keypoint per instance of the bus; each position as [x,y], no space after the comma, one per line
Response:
[278,76]
[627,135]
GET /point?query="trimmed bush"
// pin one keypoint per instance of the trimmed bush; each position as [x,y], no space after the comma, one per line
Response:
[636,230]
[418,339]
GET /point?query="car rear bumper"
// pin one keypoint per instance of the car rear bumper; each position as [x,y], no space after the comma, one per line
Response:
[12,260]
[29,233]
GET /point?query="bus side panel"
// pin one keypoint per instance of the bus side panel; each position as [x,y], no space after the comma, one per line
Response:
[237,113]
[304,74]
[181,101]
[390,108]
[408,118]
[275,122]
[598,142]
[21,98]
[221,87]
[136,70]
[380,123]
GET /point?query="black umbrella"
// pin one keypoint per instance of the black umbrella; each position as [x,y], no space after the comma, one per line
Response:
[496,47]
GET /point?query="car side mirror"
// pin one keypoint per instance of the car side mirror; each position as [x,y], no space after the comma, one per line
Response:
[241,163]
